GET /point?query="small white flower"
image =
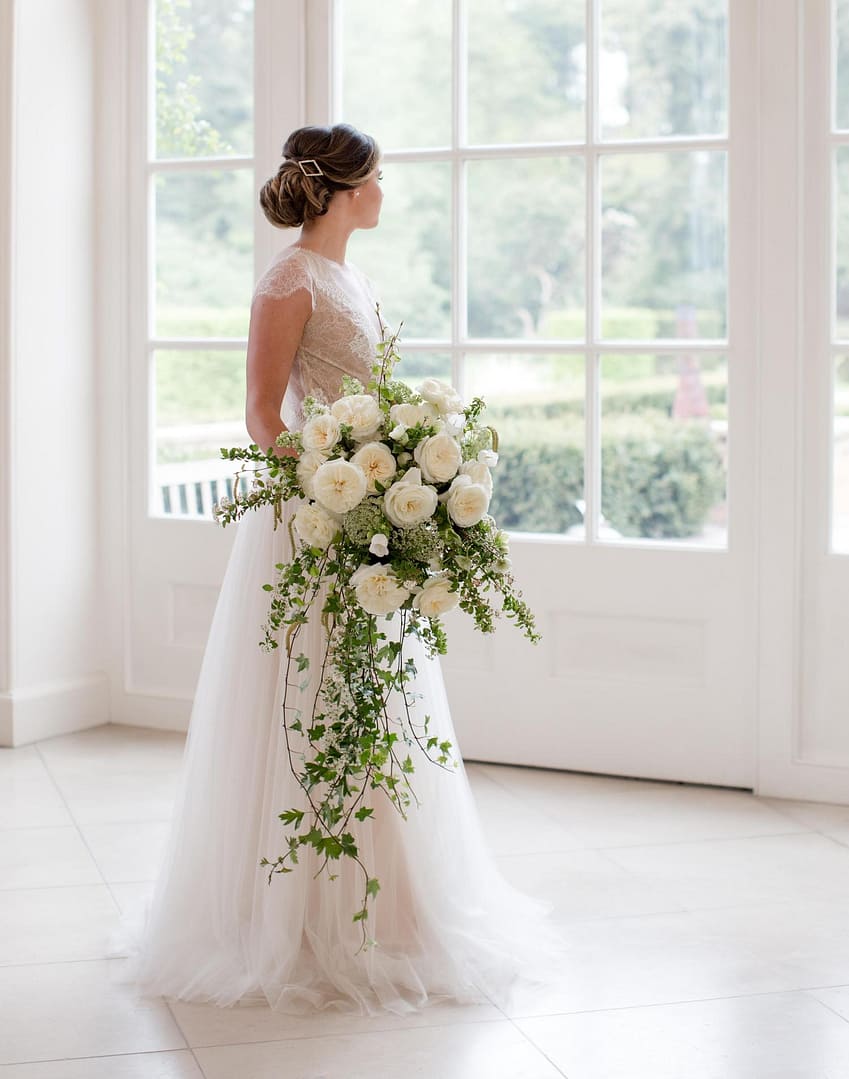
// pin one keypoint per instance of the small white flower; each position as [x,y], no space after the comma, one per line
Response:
[488,457]
[339,485]
[314,526]
[379,545]
[439,457]
[398,432]
[321,432]
[378,590]
[436,597]
[377,462]
[408,501]
[454,423]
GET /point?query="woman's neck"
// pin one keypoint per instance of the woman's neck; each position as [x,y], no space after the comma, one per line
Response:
[326,237]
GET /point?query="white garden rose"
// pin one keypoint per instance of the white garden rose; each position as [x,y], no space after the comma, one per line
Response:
[321,432]
[436,598]
[315,527]
[361,412]
[377,462]
[408,501]
[467,501]
[441,394]
[409,414]
[478,472]
[378,590]
[339,485]
[308,463]
[439,457]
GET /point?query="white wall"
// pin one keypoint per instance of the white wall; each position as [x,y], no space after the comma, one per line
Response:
[52,663]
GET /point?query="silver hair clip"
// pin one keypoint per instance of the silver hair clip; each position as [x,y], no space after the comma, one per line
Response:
[310,161]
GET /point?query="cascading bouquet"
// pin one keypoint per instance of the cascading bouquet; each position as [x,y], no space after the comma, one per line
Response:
[391,533]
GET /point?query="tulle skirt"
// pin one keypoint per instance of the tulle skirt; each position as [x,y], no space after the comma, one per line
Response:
[448,925]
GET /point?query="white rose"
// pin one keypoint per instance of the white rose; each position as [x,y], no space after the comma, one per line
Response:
[320,432]
[436,598]
[361,412]
[408,501]
[379,545]
[477,472]
[441,394]
[378,590]
[488,457]
[314,526]
[305,470]
[410,414]
[377,463]
[467,502]
[339,485]
[439,457]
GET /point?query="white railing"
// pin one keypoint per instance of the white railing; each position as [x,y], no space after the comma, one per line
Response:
[191,488]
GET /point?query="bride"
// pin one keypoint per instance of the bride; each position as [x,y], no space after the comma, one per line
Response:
[217,928]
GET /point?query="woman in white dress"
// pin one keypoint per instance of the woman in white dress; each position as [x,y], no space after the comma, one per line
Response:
[216,929]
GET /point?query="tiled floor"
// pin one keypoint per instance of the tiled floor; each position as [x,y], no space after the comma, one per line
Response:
[710,935]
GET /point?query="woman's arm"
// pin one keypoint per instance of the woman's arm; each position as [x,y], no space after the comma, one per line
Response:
[276,327]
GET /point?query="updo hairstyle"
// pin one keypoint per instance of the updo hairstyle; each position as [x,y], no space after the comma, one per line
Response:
[345,155]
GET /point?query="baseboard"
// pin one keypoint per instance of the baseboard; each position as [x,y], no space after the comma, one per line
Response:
[38,712]
[162,713]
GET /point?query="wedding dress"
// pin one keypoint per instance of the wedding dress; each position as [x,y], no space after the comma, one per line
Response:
[215,929]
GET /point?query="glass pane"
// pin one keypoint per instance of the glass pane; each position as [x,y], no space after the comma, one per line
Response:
[841,75]
[204,253]
[536,403]
[396,71]
[416,365]
[663,245]
[200,407]
[840,469]
[664,448]
[204,78]
[663,68]
[526,248]
[526,71]
[842,245]
[408,254]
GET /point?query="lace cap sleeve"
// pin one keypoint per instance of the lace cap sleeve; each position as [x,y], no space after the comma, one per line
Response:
[283,277]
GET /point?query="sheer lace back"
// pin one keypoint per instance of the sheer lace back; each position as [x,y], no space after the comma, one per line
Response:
[340,335]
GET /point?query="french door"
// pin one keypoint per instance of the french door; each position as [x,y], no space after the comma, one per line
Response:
[586,228]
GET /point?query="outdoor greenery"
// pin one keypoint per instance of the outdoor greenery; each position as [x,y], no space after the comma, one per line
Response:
[663,226]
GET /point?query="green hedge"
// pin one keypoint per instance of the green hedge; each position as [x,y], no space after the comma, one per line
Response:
[660,478]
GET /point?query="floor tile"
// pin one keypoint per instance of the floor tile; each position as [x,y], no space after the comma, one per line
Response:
[52,925]
[59,1010]
[733,871]
[587,884]
[107,774]
[781,1036]
[602,812]
[45,857]
[28,796]
[491,1050]
[205,1025]
[695,955]
[127,850]
[174,1065]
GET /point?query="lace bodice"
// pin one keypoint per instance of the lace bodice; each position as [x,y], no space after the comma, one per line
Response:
[340,335]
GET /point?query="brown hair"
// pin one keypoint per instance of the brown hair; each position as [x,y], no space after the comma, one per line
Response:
[345,155]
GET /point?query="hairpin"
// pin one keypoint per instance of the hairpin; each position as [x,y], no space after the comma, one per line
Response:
[310,161]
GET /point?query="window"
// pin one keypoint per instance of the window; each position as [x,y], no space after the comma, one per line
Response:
[555,237]
[202,242]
